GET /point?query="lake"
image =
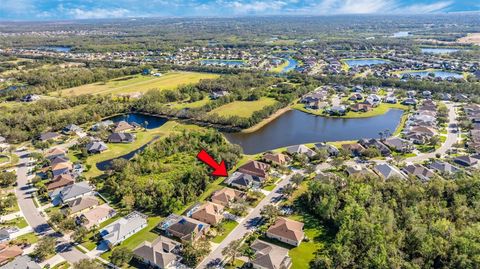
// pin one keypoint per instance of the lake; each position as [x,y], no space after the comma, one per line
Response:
[295,127]
[364,62]
[401,34]
[440,74]
[56,48]
[153,122]
[438,50]
[292,63]
[223,62]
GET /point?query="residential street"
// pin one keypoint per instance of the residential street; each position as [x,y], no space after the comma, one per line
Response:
[248,223]
[452,138]
[33,216]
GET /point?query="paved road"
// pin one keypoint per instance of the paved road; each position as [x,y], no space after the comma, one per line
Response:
[34,218]
[248,223]
[452,138]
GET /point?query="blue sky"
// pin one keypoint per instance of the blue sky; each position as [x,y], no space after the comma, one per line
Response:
[88,9]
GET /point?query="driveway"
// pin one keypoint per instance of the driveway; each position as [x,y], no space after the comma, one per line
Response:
[249,223]
[32,214]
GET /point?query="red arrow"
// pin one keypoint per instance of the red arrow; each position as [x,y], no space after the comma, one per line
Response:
[220,170]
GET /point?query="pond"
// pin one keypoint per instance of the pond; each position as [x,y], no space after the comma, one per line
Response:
[152,121]
[364,62]
[56,48]
[401,34]
[292,63]
[438,73]
[438,50]
[223,62]
[295,127]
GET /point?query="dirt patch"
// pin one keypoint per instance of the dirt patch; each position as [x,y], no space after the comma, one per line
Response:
[470,39]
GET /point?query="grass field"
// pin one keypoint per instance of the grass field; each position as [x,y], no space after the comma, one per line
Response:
[243,109]
[31,238]
[182,105]
[19,222]
[379,110]
[137,83]
[228,225]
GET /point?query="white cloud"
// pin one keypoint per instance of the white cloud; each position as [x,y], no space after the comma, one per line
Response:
[16,6]
[425,8]
[267,7]
[98,13]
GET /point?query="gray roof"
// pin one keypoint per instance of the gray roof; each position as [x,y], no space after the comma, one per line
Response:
[21,262]
[72,190]
[96,146]
[301,149]
[158,251]
[48,136]
[115,232]
[387,171]
[443,167]
[268,255]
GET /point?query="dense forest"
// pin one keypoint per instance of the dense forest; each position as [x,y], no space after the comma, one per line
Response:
[398,223]
[166,175]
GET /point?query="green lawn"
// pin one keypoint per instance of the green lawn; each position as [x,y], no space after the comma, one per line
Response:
[228,225]
[145,234]
[281,66]
[243,109]
[19,222]
[31,238]
[62,265]
[4,159]
[137,83]
[379,110]
[182,105]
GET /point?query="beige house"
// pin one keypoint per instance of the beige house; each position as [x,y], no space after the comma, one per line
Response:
[97,215]
[226,196]
[287,231]
[209,212]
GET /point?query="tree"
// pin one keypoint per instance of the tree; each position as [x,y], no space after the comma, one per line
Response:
[434,141]
[288,190]
[193,252]
[232,250]
[87,264]
[7,179]
[297,179]
[121,256]
[44,248]
[80,234]
[269,213]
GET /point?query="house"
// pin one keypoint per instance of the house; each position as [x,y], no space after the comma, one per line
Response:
[337,110]
[5,235]
[270,256]
[60,181]
[443,167]
[361,107]
[96,147]
[419,171]
[355,148]
[409,102]
[356,171]
[287,231]
[355,97]
[102,125]
[61,168]
[70,192]
[55,152]
[331,150]
[244,181]
[398,144]
[301,149]
[227,196]
[82,204]
[391,99]
[97,215]
[465,160]
[9,252]
[71,129]
[417,138]
[30,98]
[374,143]
[123,228]
[208,212]
[48,136]
[276,158]
[217,94]
[122,126]
[23,262]
[158,254]
[184,228]
[422,130]
[387,171]
[121,138]
[255,168]
[58,160]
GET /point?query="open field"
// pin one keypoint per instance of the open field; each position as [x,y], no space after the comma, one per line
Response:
[243,109]
[473,38]
[137,83]
[182,105]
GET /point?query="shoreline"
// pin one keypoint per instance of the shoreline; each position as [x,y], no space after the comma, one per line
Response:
[267,120]
[359,116]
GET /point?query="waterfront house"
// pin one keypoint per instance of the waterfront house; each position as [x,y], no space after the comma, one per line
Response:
[301,149]
[122,126]
[161,253]
[276,158]
[355,148]
[398,144]
[255,168]
[270,256]
[374,143]
[331,150]
[121,138]
[361,107]
[123,228]
[227,196]
[208,212]
[96,147]
[287,231]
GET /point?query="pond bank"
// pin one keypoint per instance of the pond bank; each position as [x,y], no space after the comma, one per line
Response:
[266,120]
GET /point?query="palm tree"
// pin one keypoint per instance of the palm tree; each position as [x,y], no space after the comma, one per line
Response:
[232,250]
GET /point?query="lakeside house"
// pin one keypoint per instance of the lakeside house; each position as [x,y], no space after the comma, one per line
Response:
[287,231]
[121,138]
[116,232]
[96,147]
[301,149]
[122,126]
[276,158]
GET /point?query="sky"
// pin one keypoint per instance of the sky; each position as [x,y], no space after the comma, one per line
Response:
[30,10]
